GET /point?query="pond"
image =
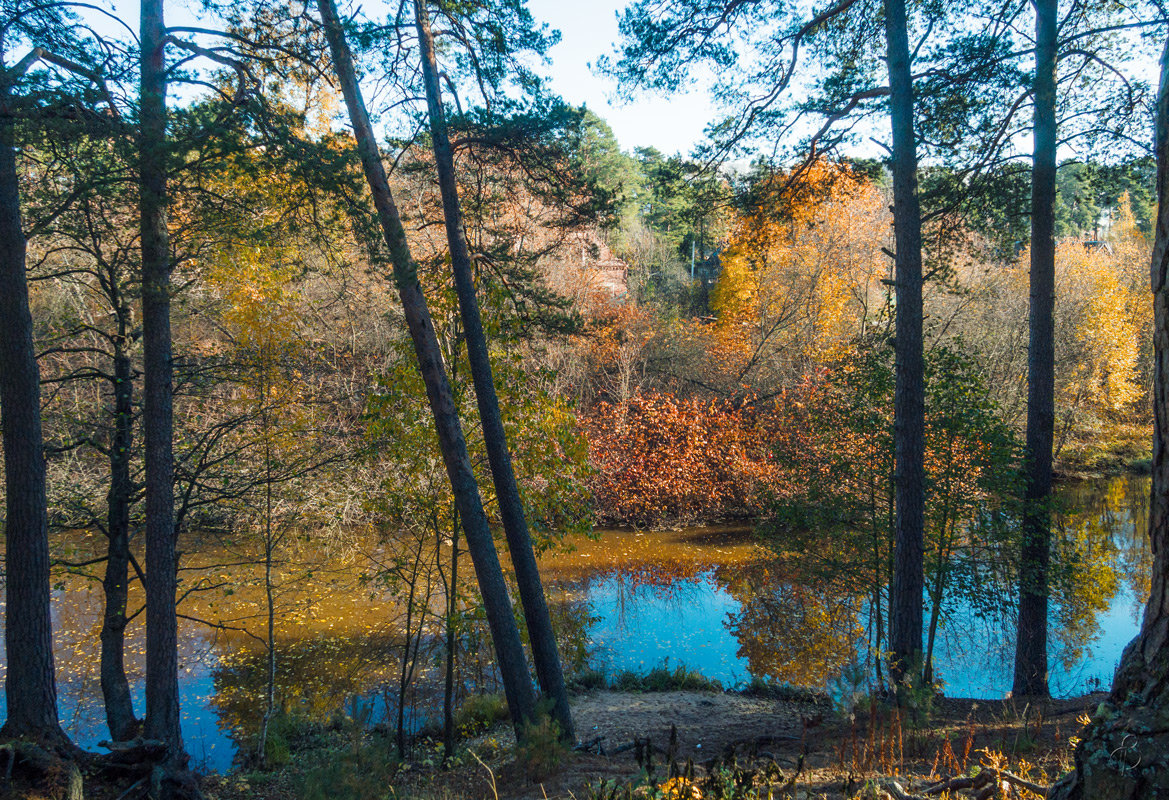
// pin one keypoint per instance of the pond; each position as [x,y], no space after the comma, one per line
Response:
[711,599]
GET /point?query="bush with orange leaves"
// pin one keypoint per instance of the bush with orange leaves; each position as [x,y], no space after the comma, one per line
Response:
[661,459]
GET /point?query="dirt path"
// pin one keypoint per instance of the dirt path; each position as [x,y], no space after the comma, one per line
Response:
[705,722]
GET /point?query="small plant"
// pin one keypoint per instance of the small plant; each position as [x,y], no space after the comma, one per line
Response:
[540,750]
[724,782]
[589,679]
[663,679]
[362,770]
[287,734]
[479,712]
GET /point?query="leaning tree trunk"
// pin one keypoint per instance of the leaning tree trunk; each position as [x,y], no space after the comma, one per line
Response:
[509,649]
[30,684]
[1125,751]
[511,506]
[1031,641]
[162,686]
[905,596]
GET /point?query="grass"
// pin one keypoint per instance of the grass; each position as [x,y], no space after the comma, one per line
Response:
[480,712]
[663,679]
[1116,449]
[759,687]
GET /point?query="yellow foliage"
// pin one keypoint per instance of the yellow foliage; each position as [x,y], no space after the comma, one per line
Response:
[802,268]
[1106,326]
[256,285]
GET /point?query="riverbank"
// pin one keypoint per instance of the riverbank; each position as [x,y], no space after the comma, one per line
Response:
[1121,448]
[799,747]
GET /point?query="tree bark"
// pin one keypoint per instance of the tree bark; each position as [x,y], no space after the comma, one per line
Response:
[541,635]
[115,687]
[504,632]
[30,683]
[1035,555]
[1124,754]
[905,600]
[162,686]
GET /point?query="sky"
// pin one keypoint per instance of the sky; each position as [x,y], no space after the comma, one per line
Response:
[588,28]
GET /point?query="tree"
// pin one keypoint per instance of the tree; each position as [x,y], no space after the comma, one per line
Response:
[540,634]
[1077,39]
[1122,752]
[905,608]
[773,39]
[801,270]
[1031,642]
[91,250]
[30,683]
[834,455]
[508,647]
[162,720]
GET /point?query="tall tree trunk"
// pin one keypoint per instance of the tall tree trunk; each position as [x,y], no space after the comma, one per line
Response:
[1123,754]
[905,599]
[511,508]
[115,687]
[162,686]
[505,634]
[1031,641]
[30,683]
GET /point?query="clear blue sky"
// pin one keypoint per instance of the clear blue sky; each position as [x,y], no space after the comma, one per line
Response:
[588,29]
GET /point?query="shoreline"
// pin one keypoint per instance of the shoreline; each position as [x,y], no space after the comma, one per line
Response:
[630,739]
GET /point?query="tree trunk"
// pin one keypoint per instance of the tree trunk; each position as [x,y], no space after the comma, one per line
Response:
[115,687]
[452,608]
[1125,751]
[504,632]
[30,683]
[162,686]
[905,599]
[1031,641]
[511,508]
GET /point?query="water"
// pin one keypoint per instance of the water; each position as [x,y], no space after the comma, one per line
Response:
[710,599]
[726,611]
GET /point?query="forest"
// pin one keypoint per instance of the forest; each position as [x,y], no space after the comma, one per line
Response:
[377,423]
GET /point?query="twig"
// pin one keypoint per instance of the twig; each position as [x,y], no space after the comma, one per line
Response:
[898,791]
[1023,783]
[589,745]
[133,786]
[490,774]
[956,784]
[791,782]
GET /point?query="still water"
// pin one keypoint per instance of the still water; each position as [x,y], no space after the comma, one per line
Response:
[711,599]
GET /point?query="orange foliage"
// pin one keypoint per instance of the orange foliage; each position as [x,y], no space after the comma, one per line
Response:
[661,458]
